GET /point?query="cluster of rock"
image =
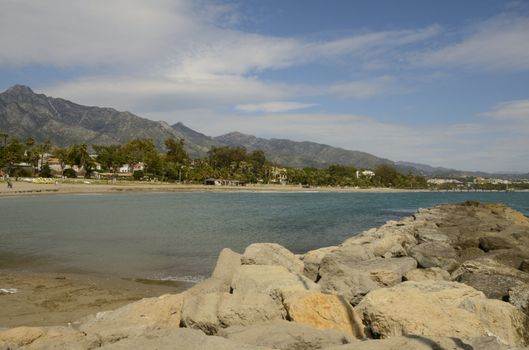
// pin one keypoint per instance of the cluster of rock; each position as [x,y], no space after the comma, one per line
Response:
[449,277]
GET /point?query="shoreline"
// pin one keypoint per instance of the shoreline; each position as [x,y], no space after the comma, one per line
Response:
[53,298]
[30,189]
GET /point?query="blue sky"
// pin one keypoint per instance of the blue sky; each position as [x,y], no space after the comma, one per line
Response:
[444,83]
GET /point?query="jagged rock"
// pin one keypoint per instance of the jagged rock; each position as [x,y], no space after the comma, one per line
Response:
[188,339]
[489,276]
[312,260]
[435,254]
[287,336]
[440,308]
[267,278]
[227,263]
[323,311]
[44,338]
[272,254]
[415,342]
[519,297]
[432,273]
[136,318]
[353,279]
[213,311]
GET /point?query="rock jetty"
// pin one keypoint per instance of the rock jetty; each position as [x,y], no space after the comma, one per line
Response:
[449,277]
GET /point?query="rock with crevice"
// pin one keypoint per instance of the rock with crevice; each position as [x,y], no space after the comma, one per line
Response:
[322,311]
[441,308]
[432,273]
[354,280]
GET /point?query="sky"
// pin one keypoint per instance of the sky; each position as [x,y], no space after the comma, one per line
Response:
[444,83]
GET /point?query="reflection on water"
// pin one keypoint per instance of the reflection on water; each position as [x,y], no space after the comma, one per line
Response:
[177,236]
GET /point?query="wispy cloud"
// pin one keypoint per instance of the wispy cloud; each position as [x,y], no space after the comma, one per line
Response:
[274,107]
[513,110]
[497,43]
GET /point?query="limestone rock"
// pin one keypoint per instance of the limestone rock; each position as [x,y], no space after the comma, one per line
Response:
[414,342]
[247,309]
[188,339]
[440,308]
[323,311]
[287,335]
[136,318]
[519,297]
[432,273]
[353,280]
[312,260]
[435,254]
[227,263]
[272,254]
[213,311]
[267,278]
[489,276]
[44,338]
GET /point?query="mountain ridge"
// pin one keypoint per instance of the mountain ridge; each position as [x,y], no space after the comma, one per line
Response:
[24,113]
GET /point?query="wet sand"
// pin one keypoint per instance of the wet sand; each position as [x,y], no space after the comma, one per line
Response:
[59,298]
[24,188]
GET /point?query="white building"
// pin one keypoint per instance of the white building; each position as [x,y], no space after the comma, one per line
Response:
[364,173]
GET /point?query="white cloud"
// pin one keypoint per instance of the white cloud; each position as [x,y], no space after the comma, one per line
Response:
[273,107]
[512,110]
[499,43]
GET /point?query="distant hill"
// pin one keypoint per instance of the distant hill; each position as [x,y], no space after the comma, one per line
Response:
[302,154]
[23,113]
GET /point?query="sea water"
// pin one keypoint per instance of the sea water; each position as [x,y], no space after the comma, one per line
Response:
[179,235]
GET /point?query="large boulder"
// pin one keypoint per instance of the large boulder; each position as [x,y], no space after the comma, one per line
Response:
[136,318]
[435,254]
[323,311]
[220,281]
[440,308]
[213,311]
[312,260]
[287,336]
[188,339]
[44,338]
[353,279]
[491,277]
[267,278]
[432,273]
[272,254]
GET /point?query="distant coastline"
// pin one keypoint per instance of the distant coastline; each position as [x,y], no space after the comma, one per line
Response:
[30,189]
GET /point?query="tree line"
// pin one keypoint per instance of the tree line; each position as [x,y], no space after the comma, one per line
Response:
[175,164]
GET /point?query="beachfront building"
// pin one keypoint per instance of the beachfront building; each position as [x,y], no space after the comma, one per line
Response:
[223,182]
[364,174]
[128,168]
[278,175]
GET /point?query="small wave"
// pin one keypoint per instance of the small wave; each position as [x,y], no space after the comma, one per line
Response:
[188,278]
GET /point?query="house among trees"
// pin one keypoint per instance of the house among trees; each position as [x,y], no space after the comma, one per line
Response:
[223,182]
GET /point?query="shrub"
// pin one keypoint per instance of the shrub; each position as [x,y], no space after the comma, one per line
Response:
[138,175]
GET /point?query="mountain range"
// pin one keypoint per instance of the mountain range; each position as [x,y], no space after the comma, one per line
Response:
[24,113]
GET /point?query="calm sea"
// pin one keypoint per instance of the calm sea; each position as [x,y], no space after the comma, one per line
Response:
[179,235]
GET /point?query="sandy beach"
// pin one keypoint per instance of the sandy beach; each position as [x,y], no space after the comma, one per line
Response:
[21,188]
[36,299]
